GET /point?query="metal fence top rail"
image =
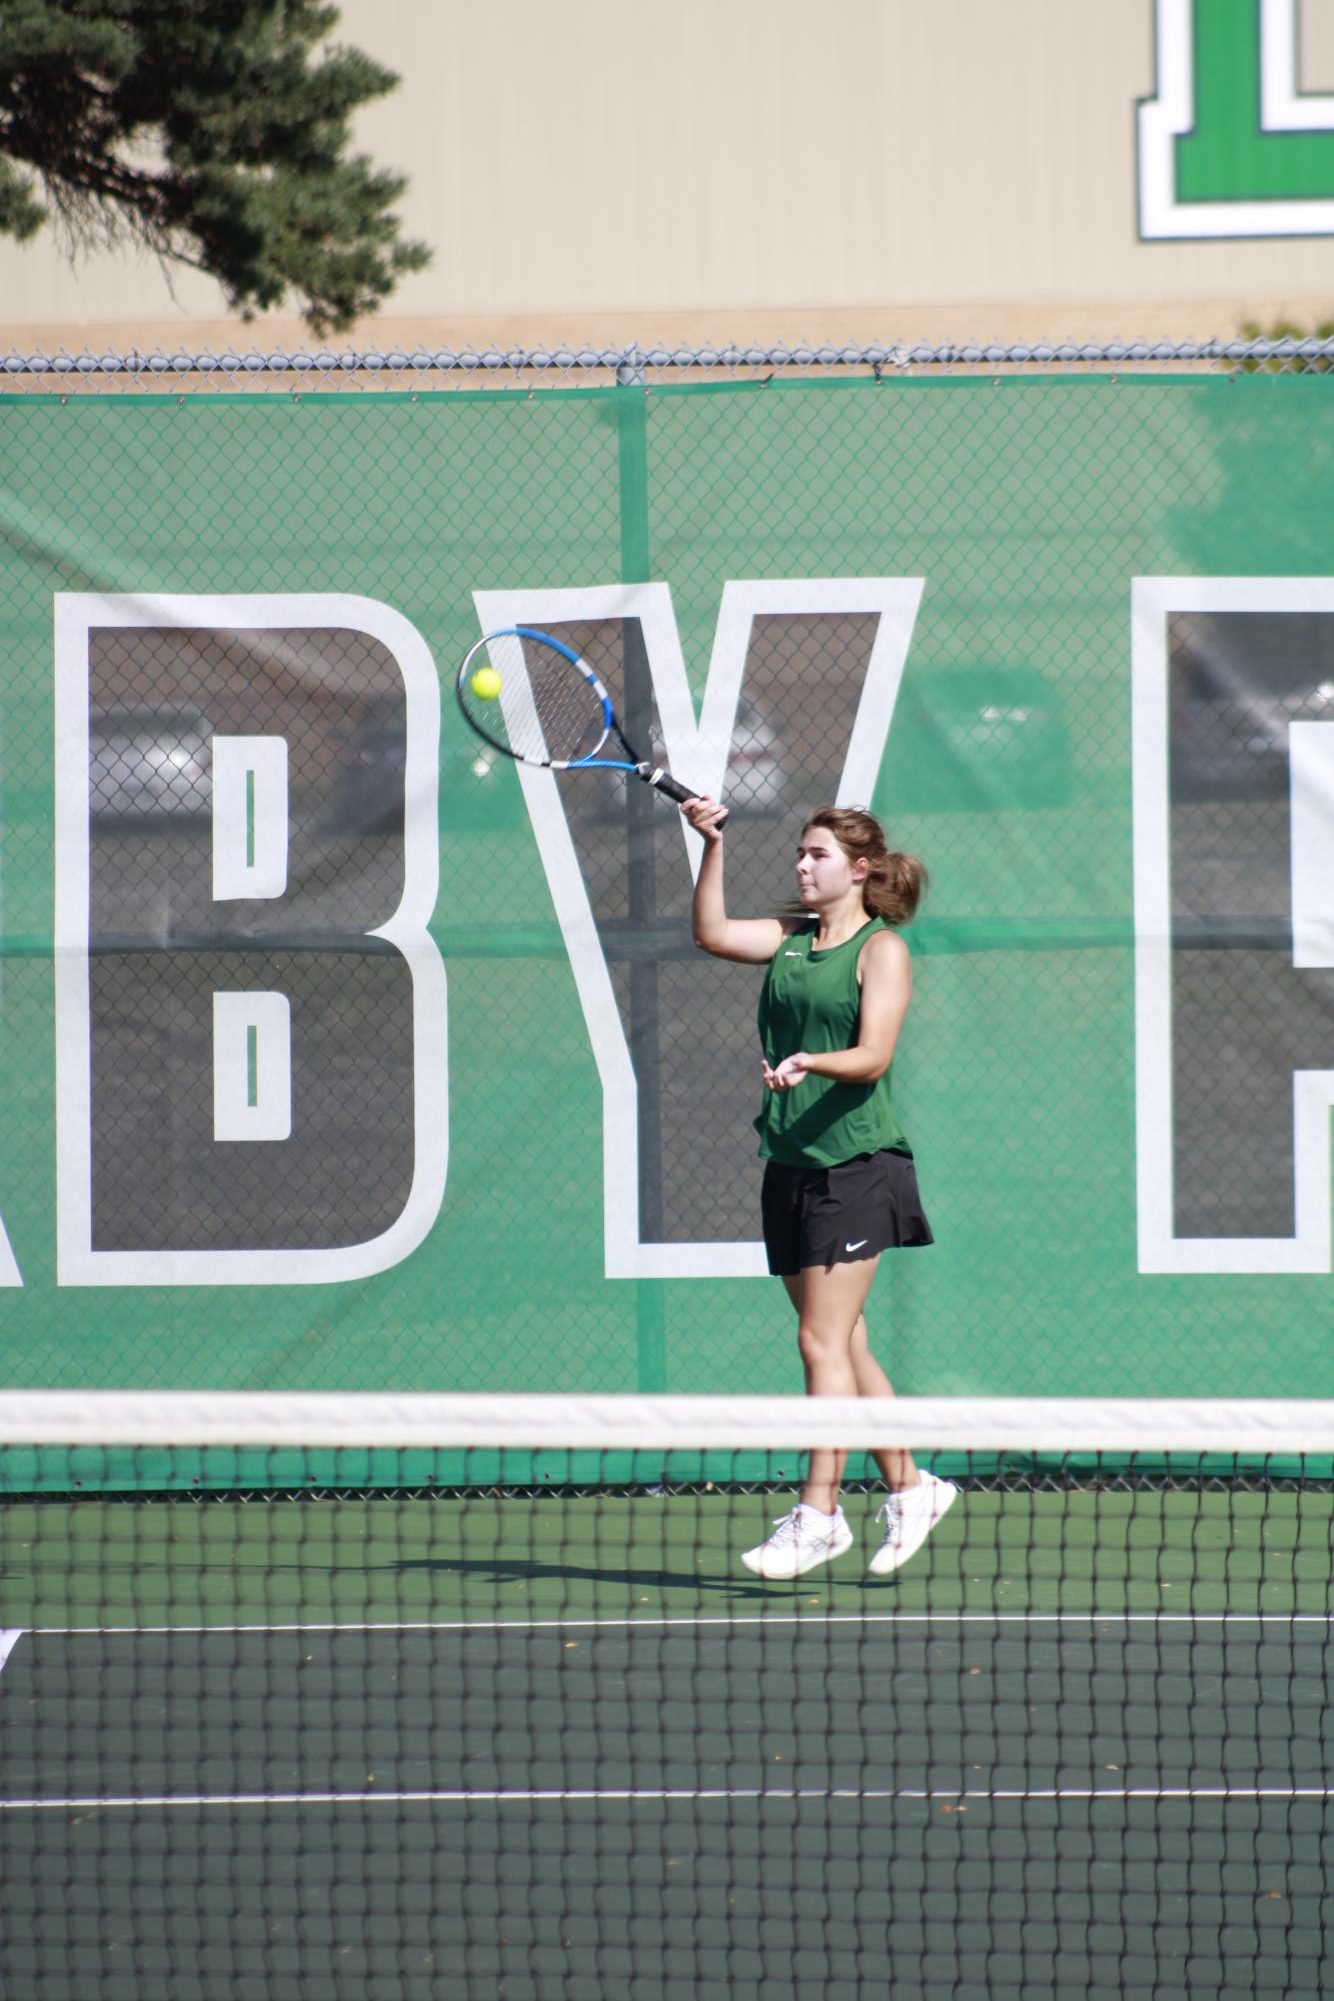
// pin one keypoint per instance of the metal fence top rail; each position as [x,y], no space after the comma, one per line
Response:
[633,363]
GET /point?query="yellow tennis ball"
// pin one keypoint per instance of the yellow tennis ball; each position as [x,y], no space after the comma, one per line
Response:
[485,684]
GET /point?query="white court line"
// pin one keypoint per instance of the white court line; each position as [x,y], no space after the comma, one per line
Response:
[650,1621]
[9,1639]
[650,1795]
[448,1797]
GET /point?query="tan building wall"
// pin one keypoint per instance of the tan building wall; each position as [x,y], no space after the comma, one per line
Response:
[872,169]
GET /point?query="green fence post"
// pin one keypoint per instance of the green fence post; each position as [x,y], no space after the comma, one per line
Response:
[641,810]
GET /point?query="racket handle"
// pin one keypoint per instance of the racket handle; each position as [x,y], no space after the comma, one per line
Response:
[662,781]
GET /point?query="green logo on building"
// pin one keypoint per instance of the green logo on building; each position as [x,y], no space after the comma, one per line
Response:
[1230,145]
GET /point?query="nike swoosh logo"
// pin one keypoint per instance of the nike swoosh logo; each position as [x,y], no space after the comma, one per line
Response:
[857,1246]
[791,955]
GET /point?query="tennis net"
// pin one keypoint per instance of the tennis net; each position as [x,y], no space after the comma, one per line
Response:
[426,1697]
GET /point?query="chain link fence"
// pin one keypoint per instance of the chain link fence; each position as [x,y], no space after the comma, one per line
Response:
[227,1165]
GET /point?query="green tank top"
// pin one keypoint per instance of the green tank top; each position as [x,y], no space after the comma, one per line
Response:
[811,1000]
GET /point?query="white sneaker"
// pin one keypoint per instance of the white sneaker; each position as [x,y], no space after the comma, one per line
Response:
[799,1542]
[909,1518]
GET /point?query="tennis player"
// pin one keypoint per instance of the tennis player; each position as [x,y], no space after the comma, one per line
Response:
[839,1183]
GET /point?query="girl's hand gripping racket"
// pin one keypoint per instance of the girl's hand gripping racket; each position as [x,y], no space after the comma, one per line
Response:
[533,697]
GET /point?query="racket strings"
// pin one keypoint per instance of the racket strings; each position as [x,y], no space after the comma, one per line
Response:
[566,710]
[546,712]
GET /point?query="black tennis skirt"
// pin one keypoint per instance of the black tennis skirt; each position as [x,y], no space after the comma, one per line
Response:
[839,1215]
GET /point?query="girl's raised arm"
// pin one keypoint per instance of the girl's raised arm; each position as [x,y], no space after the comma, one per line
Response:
[751,939]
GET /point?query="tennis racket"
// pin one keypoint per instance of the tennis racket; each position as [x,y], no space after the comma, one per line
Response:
[530,695]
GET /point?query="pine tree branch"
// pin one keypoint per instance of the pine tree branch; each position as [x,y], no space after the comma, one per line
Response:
[256,185]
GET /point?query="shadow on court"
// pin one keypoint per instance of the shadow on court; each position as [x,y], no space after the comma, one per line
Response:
[733,1585]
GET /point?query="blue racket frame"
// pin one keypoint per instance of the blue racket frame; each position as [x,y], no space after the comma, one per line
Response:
[661,780]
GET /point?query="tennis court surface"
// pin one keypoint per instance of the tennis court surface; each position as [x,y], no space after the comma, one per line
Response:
[415,1716]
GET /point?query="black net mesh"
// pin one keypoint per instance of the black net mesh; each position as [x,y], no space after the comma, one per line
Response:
[301,1721]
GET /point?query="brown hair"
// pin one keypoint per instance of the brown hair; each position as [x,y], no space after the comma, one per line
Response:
[895,883]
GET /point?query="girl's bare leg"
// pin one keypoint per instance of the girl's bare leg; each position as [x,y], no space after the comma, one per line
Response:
[897,1464]
[837,1359]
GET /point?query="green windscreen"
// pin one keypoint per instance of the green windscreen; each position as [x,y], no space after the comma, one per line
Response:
[336,1057]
